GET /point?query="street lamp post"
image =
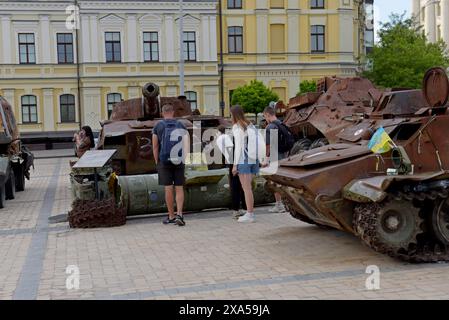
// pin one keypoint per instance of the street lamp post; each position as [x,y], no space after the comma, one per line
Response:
[221,69]
[181,51]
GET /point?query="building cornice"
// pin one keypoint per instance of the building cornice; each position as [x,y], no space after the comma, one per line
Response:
[128,6]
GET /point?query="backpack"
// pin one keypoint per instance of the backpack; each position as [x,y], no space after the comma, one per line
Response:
[255,144]
[286,138]
[167,144]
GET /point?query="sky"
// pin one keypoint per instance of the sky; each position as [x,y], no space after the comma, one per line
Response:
[383,8]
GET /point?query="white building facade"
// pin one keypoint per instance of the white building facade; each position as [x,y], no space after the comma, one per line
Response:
[433,15]
[58,78]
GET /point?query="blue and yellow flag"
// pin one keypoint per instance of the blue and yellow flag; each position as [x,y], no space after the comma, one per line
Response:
[380,142]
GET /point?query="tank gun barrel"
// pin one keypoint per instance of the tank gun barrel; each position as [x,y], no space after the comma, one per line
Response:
[151,107]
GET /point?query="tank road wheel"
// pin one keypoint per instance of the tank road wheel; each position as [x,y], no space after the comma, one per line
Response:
[10,187]
[319,143]
[300,146]
[390,227]
[440,221]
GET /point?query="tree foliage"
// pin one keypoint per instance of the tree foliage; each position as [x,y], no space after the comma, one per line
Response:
[403,55]
[253,97]
[307,86]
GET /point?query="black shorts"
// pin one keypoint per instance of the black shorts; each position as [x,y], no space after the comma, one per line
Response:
[170,174]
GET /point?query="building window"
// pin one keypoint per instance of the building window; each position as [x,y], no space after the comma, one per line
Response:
[113,98]
[277,38]
[113,47]
[27,48]
[235,39]
[150,46]
[192,98]
[29,109]
[317,37]
[189,46]
[65,47]
[316,4]
[277,4]
[234,4]
[67,108]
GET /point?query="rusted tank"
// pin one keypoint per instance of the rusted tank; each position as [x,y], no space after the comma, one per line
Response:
[316,118]
[15,159]
[396,202]
[130,127]
[127,183]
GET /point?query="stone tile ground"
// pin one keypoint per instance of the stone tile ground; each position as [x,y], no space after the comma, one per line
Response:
[213,257]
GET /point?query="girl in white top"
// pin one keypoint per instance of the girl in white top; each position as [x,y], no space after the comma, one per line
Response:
[244,167]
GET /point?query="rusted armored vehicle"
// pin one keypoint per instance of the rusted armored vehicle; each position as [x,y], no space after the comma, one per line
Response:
[131,124]
[316,118]
[119,179]
[15,159]
[396,202]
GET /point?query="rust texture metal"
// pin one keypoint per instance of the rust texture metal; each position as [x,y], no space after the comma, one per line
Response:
[396,202]
[436,87]
[130,128]
[316,118]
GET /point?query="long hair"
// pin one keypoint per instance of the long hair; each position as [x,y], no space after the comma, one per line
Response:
[89,134]
[238,117]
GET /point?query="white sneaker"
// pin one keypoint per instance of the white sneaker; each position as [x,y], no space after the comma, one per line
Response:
[247,218]
[278,208]
[281,208]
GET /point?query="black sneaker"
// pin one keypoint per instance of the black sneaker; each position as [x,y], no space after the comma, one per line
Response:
[169,221]
[180,221]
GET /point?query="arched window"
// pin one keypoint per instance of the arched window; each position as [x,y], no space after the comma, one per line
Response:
[29,109]
[192,98]
[113,98]
[67,108]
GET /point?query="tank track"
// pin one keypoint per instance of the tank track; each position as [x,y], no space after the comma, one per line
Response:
[96,214]
[423,248]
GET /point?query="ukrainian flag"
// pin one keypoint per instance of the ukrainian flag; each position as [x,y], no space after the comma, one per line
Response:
[380,142]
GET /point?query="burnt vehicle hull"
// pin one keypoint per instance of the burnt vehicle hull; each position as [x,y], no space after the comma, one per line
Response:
[129,130]
[316,118]
[396,202]
[15,159]
[128,185]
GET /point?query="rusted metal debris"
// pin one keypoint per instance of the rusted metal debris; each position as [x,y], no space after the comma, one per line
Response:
[317,118]
[397,202]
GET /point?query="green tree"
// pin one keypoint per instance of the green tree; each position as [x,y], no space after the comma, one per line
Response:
[403,54]
[307,86]
[253,97]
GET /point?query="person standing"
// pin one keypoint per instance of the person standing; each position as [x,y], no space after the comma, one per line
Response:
[170,145]
[226,146]
[243,166]
[282,147]
[84,141]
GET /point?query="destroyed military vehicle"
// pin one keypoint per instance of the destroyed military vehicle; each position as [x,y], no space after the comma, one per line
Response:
[15,159]
[315,118]
[130,128]
[119,178]
[396,202]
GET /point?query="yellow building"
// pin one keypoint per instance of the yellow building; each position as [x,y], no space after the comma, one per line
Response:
[59,78]
[283,42]
[63,67]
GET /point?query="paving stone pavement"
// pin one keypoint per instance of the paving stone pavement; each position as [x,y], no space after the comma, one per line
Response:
[213,257]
